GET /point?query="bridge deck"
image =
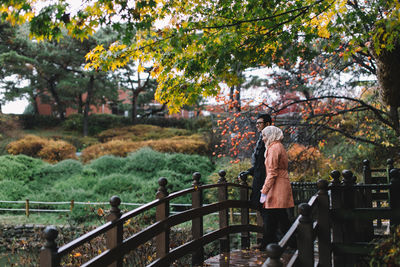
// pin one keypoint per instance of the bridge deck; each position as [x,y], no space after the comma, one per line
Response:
[252,257]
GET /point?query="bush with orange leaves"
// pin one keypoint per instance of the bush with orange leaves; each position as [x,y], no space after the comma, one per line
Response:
[29,145]
[140,132]
[49,150]
[308,163]
[193,144]
[55,151]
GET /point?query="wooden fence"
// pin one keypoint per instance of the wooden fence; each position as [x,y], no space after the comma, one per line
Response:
[340,221]
[27,205]
[335,218]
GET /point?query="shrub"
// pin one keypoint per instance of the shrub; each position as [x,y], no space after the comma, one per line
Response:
[188,164]
[96,122]
[115,184]
[19,167]
[30,121]
[232,173]
[48,150]
[48,174]
[8,125]
[176,181]
[12,190]
[193,144]
[79,142]
[55,151]
[308,163]
[74,122]
[387,252]
[79,188]
[145,161]
[115,147]
[140,132]
[107,165]
[191,124]
[29,145]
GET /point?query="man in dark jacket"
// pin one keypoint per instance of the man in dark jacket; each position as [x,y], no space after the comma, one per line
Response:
[257,161]
[258,168]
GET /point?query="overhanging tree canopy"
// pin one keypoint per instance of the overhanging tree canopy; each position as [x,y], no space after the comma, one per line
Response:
[201,42]
[203,39]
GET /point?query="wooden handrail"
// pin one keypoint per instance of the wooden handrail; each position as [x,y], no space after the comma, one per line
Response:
[292,230]
[117,249]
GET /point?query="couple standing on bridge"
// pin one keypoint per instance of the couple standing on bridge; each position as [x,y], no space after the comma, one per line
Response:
[271,189]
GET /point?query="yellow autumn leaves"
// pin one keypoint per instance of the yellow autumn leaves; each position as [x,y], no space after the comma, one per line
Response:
[321,21]
[16,12]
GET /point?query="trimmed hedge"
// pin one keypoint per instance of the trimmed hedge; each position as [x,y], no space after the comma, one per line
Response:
[96,122]
[140,132]
[193,144]
[30,121]
[49,150]
[133,178]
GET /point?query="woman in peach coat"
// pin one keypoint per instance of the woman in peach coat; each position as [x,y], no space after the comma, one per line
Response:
[276,193]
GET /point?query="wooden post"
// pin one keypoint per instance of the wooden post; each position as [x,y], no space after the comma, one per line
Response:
[389,166]
[244,212]
[48,254]
[366,172]
[367,179]
[350,231]
[197,223]
[274,252]
[305,243]
[260,223]
[72,205]
[162,212]
[336,203]
[394,194]
[114,235]
[223,214]
[366,201]
[27,207]
[324,230]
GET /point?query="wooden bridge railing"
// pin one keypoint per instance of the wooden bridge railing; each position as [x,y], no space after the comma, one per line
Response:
[117,247]
[337,218]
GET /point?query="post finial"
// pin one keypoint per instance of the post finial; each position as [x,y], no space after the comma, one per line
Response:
[115,212]
[366,163]
[196,179]
[50,233]
[243,178]
[305,211]
[222,175]
[162,189]
[348,177]
[274,252]
[322,185]
[335,174]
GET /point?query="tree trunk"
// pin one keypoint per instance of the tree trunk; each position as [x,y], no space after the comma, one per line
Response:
[59,105]
[80,104]
[235,98]
[134,107]
[394,115]
[87,105]
[388,75]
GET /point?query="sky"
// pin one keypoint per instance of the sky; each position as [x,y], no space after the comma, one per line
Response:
[15,107]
